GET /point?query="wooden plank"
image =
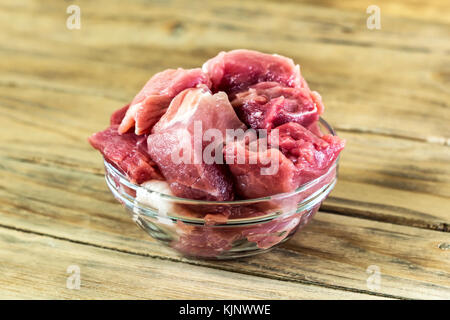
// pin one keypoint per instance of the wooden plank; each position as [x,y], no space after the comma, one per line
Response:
[381,177]
[398,74]
[35,267]
[389,100]
[430,11]
[334,251]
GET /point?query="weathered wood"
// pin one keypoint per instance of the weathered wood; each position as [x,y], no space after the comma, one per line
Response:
[395,180]
[333,251]
[385,90]
[40,264]
[65,83]
[382,178]
[392,81]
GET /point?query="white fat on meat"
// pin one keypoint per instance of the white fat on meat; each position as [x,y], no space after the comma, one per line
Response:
[150,195]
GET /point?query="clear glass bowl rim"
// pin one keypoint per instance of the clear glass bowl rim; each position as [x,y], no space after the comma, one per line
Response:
[305,204]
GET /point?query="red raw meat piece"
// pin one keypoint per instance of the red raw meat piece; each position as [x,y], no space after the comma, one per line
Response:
[268,234]
[311,155]
[118,115]
[315,129]
[127,152]
[236,70]
[198,104]
[205,241]
[250,182]
[190,176]
[269,104]
[152,101]
[300,156]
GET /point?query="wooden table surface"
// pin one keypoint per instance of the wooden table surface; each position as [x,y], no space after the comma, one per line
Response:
[386,91]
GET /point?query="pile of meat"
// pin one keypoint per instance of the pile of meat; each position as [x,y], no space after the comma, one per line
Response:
[238,90]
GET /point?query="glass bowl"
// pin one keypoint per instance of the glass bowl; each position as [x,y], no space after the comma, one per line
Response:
[199,229]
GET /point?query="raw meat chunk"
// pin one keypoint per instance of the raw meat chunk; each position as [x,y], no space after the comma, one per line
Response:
[209,241]
[149,194]
[269,104]
[198,104]
[311,155]
[152,101]
[174,140]
[127,152]
[236,70]
[118,115]
[195,180]
[178,151]
[247,161]
[299,156]
[268,234]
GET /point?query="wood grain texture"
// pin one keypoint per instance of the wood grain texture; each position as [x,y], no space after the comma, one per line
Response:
[333,251]
[394,180]
[401,70]
[382,178]
[386,91]
[39,270]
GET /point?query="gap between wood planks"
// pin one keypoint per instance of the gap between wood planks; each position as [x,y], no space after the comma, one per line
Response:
[437,140]
[336,204]
[374,216]
[195,263]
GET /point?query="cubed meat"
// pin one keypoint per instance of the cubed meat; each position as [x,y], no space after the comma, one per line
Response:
[177,147]
[212,111]
[236,70]
[118,115]
[152,101]
[312,155]
[267,105]
[297,156]
[259,171]
[126,152]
